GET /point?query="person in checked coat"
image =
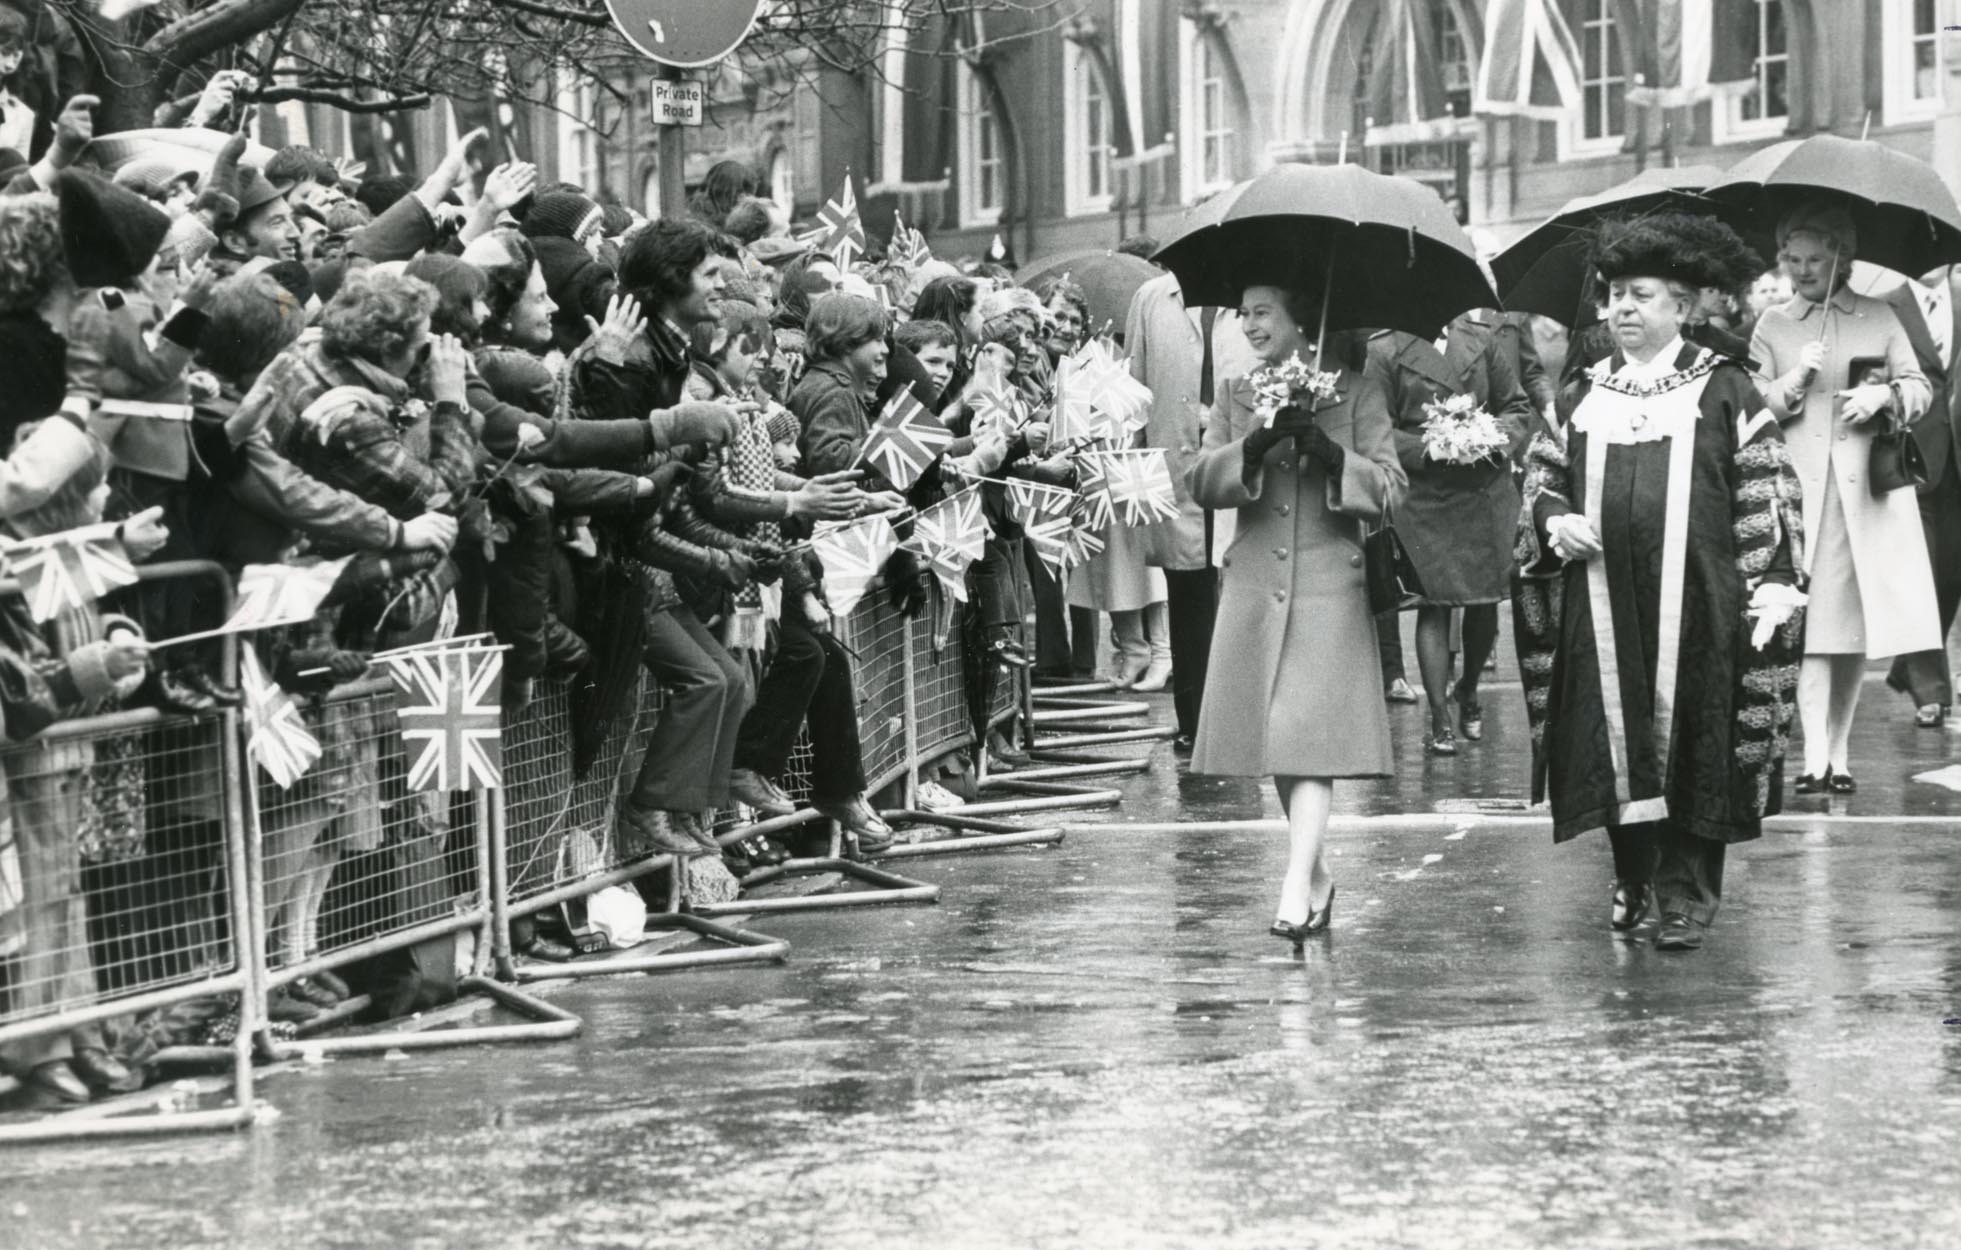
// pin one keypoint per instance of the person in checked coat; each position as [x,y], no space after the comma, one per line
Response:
[1292,692]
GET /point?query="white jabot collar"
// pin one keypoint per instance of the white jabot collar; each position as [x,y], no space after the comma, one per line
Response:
[1660,367]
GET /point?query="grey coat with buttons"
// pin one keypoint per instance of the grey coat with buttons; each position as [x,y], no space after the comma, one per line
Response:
[1295,688]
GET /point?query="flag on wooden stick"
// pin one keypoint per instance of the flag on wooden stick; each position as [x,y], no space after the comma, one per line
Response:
[281,594]
[279,740]
[71,569]
[904,440]
[950,536]
[450,703]
[852,555]
[839,232]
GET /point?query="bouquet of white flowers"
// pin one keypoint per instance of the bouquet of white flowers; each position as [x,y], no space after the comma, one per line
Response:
[1277,386]
[1458,431]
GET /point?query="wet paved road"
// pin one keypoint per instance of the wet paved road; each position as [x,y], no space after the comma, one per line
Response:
[1097,1046]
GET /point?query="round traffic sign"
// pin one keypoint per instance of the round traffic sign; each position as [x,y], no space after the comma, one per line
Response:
[686,33]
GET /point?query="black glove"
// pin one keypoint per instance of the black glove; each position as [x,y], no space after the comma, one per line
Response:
[1315,444]
[905,583]
[323,669]
[1289,422]
[667,477]
[769,562]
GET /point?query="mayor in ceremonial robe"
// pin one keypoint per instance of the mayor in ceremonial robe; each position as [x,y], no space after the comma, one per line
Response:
[1660,617]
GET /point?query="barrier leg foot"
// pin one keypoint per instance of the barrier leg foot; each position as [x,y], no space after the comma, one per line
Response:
[736,946]
[1087,711]
[887,887]
[1101,737]
[1031,795]
[548,1023]
[965,833]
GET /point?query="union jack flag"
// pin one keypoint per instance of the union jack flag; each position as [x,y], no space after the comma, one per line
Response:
[282,594]
[449,702]
[852,555]
[1122,401]
[950,536]
[279,740]
[1139,486]
[58,572]
[839,230]
[1084,541]
[997,407]
[1093,490]
[904,440]
[1075,415]
[1028,501]
[908,246]
[1051,535]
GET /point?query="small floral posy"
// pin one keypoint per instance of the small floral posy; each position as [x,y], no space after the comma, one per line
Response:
[1277,386]
[1458,431]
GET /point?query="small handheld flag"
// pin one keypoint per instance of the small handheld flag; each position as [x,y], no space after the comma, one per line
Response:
[279,739]
[60,572]
[449,700]
[904,440]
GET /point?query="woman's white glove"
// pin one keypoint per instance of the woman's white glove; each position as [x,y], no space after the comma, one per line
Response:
[1772,605]
[1573,537]
[1864,402]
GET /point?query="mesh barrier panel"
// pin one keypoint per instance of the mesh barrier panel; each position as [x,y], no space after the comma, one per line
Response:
[876,636]
[350,853]
[560,826]
[940,691]
[116,879]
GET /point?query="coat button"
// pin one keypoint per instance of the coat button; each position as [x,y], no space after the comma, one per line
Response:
[1226,563]
[1280,553]
[1286,464]
[1841,436]
[1355,562]
[1280,596]
[1284,509]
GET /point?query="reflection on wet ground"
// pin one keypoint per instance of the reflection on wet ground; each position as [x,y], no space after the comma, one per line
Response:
[1097,1045]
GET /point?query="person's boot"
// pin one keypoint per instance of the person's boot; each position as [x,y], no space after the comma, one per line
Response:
[1156,677]
[760,794]
[101,1070]
[204,681]
[52,1084]
[650,831]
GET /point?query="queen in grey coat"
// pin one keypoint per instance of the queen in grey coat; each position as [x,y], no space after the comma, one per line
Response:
[1293,690]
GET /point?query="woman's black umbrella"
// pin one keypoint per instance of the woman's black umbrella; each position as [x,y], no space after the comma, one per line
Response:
[1906,217]
[1385,252]
[1546,271]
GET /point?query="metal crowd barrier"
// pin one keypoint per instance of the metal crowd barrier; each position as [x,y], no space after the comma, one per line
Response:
[193,884]
[128,877]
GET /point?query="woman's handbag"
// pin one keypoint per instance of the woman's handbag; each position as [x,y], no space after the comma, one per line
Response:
[1896,461]
[1392,578]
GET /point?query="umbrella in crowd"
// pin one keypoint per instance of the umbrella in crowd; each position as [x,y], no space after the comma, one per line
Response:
[1906,217]
[1546,271]
[1108,280]
[189,147]
[1386,250]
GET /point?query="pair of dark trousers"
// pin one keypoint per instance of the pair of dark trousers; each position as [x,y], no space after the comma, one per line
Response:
[1192,603]
[808,679]
[1052,615]
[686,768]
[1924,675]
[1686,871]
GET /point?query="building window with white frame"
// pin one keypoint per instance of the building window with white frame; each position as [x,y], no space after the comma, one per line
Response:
[1916,63]
[1765,109]
[1603,76]
[1209,154]
[1453,59]
[1086,148]
[983,153]
[578,142]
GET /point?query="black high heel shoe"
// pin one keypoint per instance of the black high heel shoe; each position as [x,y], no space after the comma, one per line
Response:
[1295,933]
[1318,921]
[1810,784]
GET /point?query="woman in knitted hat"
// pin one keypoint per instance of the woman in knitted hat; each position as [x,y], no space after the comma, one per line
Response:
[1658,615]
[1836,367]
[566,230]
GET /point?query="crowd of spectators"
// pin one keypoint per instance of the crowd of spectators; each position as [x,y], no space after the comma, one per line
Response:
[514,410]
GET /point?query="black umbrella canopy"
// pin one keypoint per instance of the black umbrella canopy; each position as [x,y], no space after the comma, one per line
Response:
[1907,218]
[1109,281]
[1545,271]
[1386,249]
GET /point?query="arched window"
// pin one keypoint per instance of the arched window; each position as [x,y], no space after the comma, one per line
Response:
[1089,104]
[783,180]
[983,153]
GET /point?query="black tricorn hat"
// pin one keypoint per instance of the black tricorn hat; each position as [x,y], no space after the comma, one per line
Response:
[1684,247]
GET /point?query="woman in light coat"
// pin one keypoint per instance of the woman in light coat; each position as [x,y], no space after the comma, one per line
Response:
[1292,691]
[1872,590]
